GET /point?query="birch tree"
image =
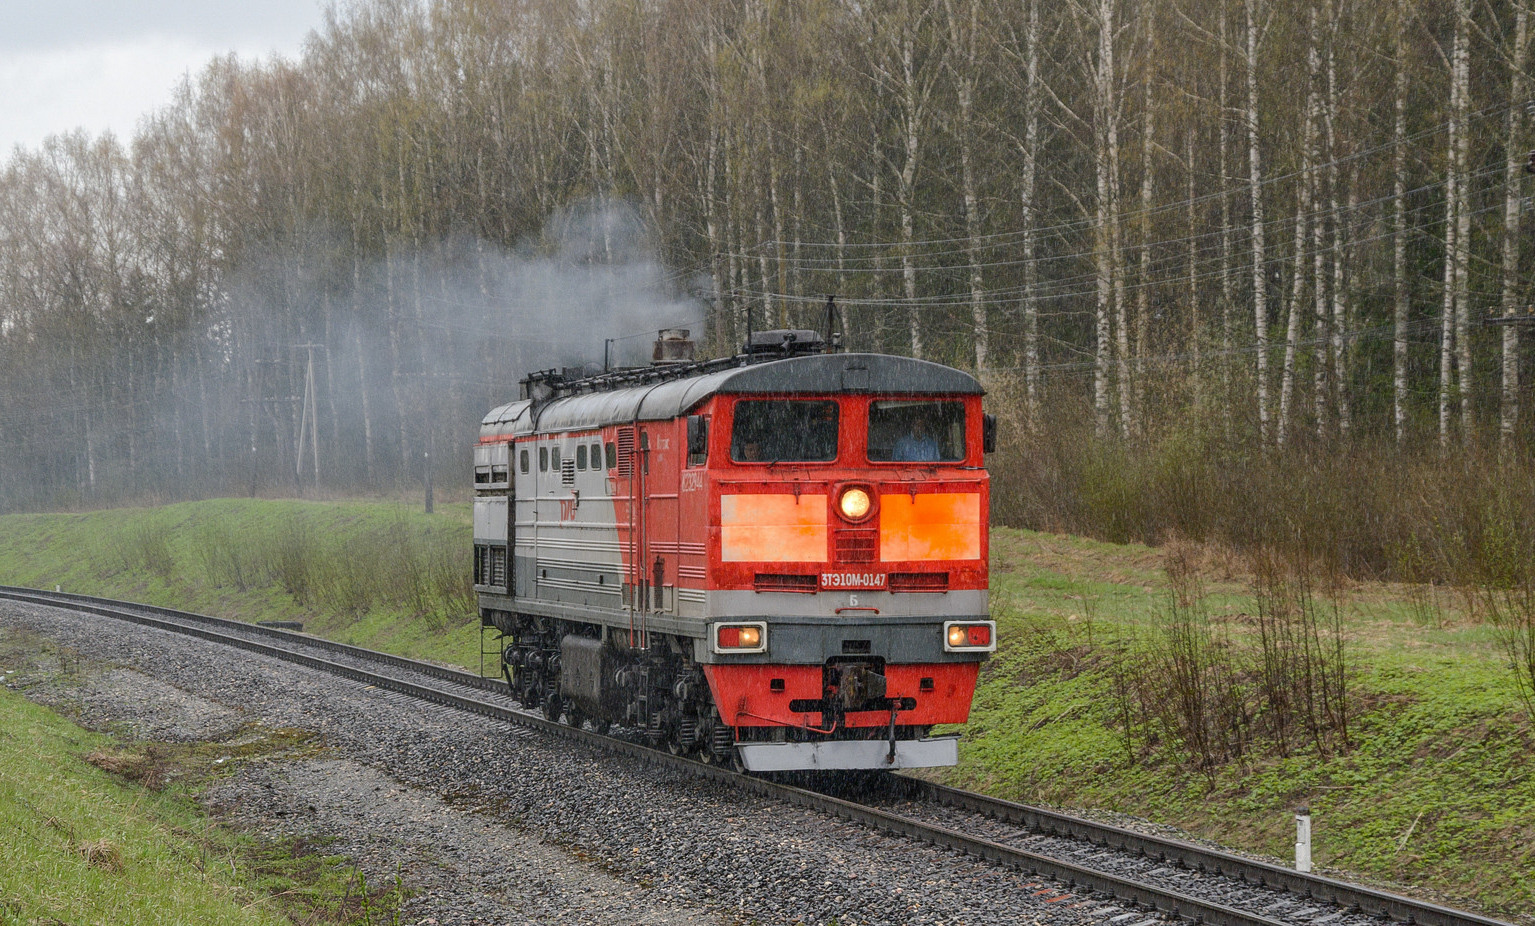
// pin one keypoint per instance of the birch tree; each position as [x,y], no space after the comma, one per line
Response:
[1255,190]
[964,32]
[1518,61]
[1400,303]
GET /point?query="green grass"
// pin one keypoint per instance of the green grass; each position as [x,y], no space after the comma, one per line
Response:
[81,846]
[374,574]
[103,830]
[1433,792]
[1437,790]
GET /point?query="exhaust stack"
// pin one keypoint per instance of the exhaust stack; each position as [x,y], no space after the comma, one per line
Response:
[673,345]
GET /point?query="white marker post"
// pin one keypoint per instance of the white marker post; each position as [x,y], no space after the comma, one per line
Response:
[1303,839]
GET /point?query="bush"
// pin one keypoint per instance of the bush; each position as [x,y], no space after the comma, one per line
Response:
[1363,508]
[1214,700]
[148,548]
[225,561]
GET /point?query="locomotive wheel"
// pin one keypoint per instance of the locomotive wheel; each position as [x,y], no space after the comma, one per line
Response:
[573,717]
[552,705]
[720,744]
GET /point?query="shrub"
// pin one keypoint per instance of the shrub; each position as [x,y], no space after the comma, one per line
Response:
[1361,507]
[148,548]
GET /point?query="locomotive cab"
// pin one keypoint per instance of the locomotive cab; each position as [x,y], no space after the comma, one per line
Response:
[776,562]
[851,528]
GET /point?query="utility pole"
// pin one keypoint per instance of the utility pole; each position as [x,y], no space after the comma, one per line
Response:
[426,407]
[1515,323]
[308,420]
[267,384]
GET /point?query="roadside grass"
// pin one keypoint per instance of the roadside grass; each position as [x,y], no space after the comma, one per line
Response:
[1436,788]
[373,574]
[100,831]
[110,830]
[1430,786]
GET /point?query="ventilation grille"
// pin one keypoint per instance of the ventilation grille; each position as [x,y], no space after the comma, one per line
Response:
[919,581]
[776,582]
[490,565]
[857,546]
[626,451]
[568,471]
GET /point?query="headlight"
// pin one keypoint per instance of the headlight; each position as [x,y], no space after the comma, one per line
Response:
[855,504]
[970,636]
[740,638]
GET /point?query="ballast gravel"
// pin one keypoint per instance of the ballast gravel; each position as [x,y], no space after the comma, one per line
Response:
[487,825]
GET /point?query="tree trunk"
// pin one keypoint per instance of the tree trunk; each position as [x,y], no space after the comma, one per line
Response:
[1196,334]
[1460,247]
[1463,230]
[1297,289]
[911,138]
[717,245]
[1228,245]
[1399,235]
[1143,288]
[962,64]
[369,459]
[1340,307]
[836,203]
[1031,372]
[762,257]
[1508,406]
[775,212]
[1107,227]
[1447,316]
[1255,187]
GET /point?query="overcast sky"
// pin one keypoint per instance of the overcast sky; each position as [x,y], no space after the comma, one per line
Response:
[101,64]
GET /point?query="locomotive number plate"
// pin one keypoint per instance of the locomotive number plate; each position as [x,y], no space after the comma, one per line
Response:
[852,580]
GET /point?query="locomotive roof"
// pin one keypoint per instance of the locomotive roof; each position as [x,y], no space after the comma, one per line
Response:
[816,373]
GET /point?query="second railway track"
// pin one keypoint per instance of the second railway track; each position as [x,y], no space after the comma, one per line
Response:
[1141,872]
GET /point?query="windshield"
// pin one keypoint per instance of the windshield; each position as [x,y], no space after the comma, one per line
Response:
[784,430]
[918,431]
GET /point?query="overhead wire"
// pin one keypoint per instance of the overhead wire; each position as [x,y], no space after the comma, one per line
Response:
[1053,290]
[1008,237]
[1275,225]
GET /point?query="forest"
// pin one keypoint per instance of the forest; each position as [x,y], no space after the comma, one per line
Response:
[1234,269]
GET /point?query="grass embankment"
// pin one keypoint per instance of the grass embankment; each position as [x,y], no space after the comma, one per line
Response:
[1432,786]
[99,831]
[1418,771]
[82,848]
[373,574]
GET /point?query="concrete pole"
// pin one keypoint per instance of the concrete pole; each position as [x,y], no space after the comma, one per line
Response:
[1303,839]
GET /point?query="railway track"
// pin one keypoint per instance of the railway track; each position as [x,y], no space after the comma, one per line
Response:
[1139,872]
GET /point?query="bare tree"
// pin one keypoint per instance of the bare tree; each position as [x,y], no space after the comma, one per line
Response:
[1508,406]
[1255,188]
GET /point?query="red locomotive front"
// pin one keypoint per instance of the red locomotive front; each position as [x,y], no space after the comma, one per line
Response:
[778,560]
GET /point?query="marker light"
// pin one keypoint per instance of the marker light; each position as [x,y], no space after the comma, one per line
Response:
[969,636]
[740,638]
[855,504]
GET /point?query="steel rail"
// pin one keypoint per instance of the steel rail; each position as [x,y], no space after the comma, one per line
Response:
[1078,878]
[1188,855]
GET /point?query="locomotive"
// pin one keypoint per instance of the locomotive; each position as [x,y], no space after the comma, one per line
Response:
[776,560]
